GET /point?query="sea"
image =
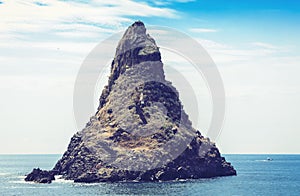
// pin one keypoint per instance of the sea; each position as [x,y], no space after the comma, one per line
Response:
[256,175]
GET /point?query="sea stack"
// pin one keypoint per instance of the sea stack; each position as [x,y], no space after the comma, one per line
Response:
[140,131]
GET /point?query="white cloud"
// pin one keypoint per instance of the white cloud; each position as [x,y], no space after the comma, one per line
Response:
[210,44]
[19,17]
[203,30]
[264,45]
[53,32]
[184,1]
[225,54]
[167,2]
[35,83]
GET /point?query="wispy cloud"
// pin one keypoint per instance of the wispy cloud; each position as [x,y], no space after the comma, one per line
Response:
[61,32]
[264,45]
[167,2]
[229,53]
[50,15]
[203,30]
[181,1]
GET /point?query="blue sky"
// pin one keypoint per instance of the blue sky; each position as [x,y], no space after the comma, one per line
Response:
[255,45]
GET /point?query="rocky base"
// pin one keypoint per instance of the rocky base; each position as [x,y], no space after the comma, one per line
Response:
[189,165]
[40,176]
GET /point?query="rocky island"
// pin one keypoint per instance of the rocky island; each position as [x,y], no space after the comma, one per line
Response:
[140,131]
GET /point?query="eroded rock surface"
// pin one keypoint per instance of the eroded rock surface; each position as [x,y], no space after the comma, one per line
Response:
[140,131]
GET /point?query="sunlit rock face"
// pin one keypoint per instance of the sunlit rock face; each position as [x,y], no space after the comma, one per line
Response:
[140,131]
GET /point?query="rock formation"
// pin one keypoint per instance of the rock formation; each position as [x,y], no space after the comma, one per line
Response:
[140,131]
[40,176]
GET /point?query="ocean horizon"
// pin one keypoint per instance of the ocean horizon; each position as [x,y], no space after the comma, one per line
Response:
[256,175]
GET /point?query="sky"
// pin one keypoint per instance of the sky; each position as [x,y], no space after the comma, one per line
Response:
[255,45]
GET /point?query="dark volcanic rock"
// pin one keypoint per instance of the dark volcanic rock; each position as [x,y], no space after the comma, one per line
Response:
[40,176]
[140,131]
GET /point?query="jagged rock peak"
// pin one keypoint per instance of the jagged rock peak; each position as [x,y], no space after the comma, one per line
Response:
[135,47]
[136,28]
[135,39]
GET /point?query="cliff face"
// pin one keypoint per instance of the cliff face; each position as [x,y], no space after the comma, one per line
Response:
[140,131]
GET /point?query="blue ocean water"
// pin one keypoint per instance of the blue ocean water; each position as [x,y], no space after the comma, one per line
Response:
[256,176]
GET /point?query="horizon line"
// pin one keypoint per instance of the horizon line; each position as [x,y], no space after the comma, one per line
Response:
[221,154]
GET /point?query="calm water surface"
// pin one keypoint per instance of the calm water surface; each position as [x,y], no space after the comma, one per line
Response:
[256,176]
